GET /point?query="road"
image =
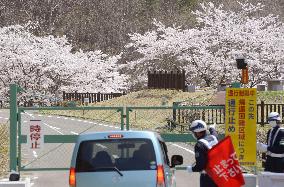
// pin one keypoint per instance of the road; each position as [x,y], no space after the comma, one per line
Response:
[59,155]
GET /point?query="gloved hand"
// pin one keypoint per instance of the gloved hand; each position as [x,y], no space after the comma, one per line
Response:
[261,147]
[189,169]
[212,126]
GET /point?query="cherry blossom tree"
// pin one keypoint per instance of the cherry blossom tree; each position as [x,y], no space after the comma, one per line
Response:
[98,72]
[207,52]
[46,65]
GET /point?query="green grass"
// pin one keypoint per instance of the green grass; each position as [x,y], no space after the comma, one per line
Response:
[144,119]
[271,97]
[4,149]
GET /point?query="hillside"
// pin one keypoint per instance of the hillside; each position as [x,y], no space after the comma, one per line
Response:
[105,24]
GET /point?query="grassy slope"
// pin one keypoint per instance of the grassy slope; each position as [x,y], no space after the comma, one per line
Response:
[143,119]
[4,149]
[154,97]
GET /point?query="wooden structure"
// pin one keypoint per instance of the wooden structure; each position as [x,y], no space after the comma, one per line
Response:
[167,80]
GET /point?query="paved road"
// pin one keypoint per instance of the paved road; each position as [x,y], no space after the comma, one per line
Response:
[59,155]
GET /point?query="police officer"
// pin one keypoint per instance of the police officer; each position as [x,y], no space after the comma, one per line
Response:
[274,148]
[205,142]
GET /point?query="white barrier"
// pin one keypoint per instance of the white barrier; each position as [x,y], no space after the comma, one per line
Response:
[21,183]
[268,179]
[250,180]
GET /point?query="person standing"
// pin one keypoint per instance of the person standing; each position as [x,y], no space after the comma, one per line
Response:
[274,147]
[205,142]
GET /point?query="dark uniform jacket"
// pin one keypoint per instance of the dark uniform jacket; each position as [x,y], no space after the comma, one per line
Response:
[275,150]
[201,149]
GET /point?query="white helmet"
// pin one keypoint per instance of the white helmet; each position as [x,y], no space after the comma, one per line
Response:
[198,126]
[273,116]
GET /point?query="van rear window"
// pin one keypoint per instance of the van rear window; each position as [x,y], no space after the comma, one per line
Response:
[124,154]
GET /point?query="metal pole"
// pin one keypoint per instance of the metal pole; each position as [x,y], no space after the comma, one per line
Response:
[19,140]
[175,104]
[13,127]
[122,118]
[127,117]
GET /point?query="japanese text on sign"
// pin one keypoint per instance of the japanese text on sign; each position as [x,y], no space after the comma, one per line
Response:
[241,122]
[227,169]
[35,137]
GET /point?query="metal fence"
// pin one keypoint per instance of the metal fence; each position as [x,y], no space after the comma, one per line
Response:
[217,116]
[91,97]
[264,109]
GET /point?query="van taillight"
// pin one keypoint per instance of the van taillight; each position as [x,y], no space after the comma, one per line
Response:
[72,177]
[160,176]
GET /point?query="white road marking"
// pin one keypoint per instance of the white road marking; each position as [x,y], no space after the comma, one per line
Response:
[1,117]
[105,125]
[74,133]
[116,127]
[85,121]
[54,128]
[58,117]
[39,115]
[111,126]
[100,124]
[49,116]
[72,119]
[35,154]
[91,122]
[31,115]
[65,118]
[79,120]
[24,121]
[188,150]
[6,118]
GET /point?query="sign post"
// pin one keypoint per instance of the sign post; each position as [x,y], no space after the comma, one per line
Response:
[13,126]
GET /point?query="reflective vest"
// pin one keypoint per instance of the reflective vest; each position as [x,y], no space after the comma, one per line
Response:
[209,141]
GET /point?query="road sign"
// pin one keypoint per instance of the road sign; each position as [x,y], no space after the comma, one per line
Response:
[36,136]
[241,122]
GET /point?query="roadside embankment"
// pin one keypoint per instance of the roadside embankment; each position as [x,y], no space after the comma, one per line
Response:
[4,149]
